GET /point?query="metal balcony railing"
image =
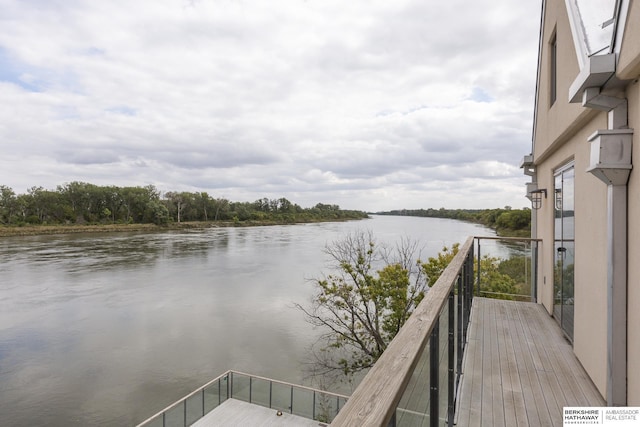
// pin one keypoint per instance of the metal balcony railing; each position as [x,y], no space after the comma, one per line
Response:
[416,380]
[511,275]
[295,399]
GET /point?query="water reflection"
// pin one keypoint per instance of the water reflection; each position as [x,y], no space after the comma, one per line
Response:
[107,329]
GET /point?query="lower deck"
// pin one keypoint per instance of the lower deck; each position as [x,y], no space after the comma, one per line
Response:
[236,413]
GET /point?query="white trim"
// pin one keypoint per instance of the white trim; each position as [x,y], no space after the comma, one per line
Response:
[621,21]
[577,32]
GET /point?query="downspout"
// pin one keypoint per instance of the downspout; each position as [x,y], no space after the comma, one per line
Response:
[611,162]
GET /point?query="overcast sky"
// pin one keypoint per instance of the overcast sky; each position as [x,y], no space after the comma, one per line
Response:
[369,104]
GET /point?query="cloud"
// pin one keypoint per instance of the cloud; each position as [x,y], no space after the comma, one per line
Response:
[363,103]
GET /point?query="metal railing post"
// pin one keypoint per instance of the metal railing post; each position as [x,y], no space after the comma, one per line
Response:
[460,340]
[534,272]
[468,294]
[433,372]
[291,407]
[392,421]
[478,278]
[452,342]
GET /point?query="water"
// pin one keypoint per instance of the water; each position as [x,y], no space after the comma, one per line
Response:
[102,329]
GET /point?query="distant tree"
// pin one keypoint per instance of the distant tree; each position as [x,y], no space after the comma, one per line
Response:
[221,207]
[175,203]
[157,213]
[363,302]
[8,206]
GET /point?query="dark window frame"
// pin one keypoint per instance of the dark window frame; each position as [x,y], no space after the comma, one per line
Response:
[553,69]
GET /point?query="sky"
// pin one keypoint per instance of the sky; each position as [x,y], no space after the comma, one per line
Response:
[369,104]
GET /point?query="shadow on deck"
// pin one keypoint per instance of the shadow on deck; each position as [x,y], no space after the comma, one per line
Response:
[519,370]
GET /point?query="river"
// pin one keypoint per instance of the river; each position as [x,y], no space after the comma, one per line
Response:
[107,329]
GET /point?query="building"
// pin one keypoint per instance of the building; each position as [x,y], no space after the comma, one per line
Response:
[584,190]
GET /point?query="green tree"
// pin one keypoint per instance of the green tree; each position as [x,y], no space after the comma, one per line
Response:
[498,278]
[361,305]
[434,266]
[157,213]
[8,206]
[493,283]
[175,203]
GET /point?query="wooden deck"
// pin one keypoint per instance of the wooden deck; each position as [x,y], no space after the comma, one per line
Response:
[236,413]
[519,370]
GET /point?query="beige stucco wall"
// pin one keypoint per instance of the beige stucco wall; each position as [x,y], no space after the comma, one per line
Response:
[551,120]
[633,294]
[590,330]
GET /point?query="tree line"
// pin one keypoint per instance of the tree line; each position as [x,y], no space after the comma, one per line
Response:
[85,203]
[506,221]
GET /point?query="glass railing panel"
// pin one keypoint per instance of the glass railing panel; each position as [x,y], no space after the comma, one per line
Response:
[505,269]
[156,422]
[195,409]
[215,394]
[340,402]
[303,403]
[260,392]
[281,397]
[241,387]
[455,340]
[413,409]
[174,417]
[443,366]
[327,406]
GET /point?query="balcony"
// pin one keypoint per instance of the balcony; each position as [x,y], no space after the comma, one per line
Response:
[472,361]
[460,359]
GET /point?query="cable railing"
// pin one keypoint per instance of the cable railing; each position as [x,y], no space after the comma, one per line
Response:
[298,400]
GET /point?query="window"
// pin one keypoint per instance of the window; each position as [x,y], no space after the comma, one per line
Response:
[553,68]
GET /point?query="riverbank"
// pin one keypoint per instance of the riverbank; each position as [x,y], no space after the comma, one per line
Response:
[36,230]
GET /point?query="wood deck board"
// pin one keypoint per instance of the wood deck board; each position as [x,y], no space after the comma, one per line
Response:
[525,368]
[531,344]
[519,369]
[497,382]
[508,361]
[475,395]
